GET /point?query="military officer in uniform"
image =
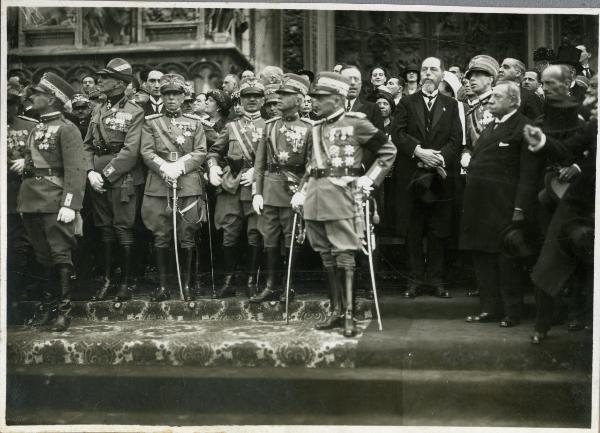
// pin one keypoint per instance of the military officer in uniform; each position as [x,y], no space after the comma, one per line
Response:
[52,192]
[231,167]
[334,187]
[112,147]
[280,163]
[174,149]
[18,245]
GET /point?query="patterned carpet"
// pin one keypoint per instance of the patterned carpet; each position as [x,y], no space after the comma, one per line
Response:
[201,343]
[303,308]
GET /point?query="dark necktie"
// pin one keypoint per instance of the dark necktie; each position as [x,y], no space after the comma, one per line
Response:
[430,99]
[348,105]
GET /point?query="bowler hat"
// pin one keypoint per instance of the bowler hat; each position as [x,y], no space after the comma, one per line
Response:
[576,238]
[518,241]
[52,84]
[119,69]
[567,55]
[543,53]
[330,83]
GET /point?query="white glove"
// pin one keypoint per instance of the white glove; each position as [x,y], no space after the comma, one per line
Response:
[257,203]
[366,183]
[214,175]
[65,215]
[18,165]
[248,177]
[298,200]
[465,159]
[96,181]
[171,170]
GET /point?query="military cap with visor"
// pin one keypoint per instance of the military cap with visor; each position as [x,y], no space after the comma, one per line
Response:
[172,83]
[52,84]
[483,63]
[251,86]
[330,83]
[119,69]
[294,83]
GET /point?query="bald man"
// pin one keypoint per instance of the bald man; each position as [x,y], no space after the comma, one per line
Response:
[514,70]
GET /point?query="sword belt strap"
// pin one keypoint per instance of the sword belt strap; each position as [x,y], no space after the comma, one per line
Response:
[336,172]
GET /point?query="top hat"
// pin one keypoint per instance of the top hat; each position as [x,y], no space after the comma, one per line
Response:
[52,84]
[576,238]
[543,53]
[567,55]
[517,241]
[119,69]
[330,83]
[293,83]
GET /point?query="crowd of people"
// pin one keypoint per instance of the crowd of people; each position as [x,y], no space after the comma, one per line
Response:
[490,158]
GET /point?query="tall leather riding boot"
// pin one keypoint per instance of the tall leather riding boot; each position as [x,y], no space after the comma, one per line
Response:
[124,293]
[63,320]
[102,292]
[162,262]
[186,273]
[349,325]
[335,292]
[227,290]
[47,308]
[252,284]
[270,292]
[284,277]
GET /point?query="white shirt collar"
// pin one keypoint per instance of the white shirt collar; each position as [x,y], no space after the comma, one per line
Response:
[432,95]
[506,117]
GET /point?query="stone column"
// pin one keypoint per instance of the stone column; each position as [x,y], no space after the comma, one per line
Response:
[541,32]
[266,36]
[319,40]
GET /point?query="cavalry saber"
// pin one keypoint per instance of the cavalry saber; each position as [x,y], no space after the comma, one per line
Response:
[289,271]
[371,267]
[210,247]
[175,238]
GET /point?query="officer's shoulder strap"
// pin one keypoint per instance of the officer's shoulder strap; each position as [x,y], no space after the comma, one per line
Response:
[272,119]
[192,116]
[356,114]
[28,119]
[307,120]
[317,122]
[153,116]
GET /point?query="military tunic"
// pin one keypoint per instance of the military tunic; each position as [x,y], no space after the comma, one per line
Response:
[112,147]
[332,207]
[235,151]
[54,177]
[280,163]
[166,138]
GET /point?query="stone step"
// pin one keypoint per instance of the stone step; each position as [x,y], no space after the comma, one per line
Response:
[60,394]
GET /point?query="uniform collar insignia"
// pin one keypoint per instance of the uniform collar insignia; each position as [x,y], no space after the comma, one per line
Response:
[173,113]
[50,116]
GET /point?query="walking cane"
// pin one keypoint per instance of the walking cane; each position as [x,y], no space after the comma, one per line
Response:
[289,271]
[175,238]
[210,247]
[370,254]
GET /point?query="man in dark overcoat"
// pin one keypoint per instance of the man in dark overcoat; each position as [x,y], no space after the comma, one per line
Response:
[500,191]
[428,134]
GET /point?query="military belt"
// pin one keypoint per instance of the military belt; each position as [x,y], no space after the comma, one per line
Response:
[105,149]
[170,156]
[276,168]
[336,172]
[44,172]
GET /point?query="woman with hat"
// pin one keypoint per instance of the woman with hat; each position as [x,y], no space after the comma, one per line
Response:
[385,101]
[218,104]
[411,77]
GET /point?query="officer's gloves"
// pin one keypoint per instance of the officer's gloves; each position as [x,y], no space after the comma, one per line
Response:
[214,175]
[297,201]
[65,215]
[171,170]
[366,183]
[248,177]
[465,160]
[257,203]
[96,181]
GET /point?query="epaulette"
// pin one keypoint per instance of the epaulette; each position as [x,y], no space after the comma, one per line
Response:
[153,116]
[29,119]
[272,119]
[318,122]
[356,114]
[192,116]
